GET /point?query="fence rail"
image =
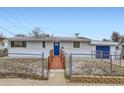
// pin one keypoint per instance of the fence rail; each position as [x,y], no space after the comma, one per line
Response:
[26,54]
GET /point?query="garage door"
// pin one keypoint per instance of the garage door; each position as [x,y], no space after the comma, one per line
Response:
[102,52]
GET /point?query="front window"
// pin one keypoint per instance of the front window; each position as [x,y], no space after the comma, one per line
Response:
[76,44]
[18,43]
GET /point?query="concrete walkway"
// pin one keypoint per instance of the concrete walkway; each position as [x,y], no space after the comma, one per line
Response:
[56,78]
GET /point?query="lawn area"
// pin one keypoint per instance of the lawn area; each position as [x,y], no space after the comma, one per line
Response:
[30,68]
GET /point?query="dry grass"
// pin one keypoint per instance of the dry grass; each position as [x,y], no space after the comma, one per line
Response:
[96,67]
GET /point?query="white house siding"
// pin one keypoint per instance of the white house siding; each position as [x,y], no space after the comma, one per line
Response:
[85,48]
[115,52]
[32,48]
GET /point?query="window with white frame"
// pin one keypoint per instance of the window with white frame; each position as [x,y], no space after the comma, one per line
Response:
[18,43]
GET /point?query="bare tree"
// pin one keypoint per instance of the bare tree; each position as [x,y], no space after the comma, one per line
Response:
[38,33]
[122,39]
[76,34]
[20,35]
[115,36]
[1,37]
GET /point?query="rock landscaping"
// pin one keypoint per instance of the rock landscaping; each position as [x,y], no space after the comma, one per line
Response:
[23,68]
[97,79]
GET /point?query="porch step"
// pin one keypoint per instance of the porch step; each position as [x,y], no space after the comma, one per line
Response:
[53,72]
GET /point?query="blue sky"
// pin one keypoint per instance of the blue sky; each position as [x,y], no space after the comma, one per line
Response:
[94,23]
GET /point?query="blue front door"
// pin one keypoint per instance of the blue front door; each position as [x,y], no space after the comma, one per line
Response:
[56,48]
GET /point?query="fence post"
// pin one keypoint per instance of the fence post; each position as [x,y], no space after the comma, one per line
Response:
[115,54]
[110,64]
[91,54]
[101,54]
[70,65]
[42,64]
[120,59]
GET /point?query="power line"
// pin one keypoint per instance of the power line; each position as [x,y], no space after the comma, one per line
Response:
[14,18]
[31,22]
[24,18]
[8,21]
[19,13]
[7,30]
[12,23]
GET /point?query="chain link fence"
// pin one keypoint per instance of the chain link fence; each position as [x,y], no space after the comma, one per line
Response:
[24,65]
[97,64]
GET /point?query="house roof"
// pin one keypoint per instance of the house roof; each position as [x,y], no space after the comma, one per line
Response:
[97,42]
[48,39]
[121,43]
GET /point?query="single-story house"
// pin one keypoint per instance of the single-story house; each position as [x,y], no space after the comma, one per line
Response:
[35,45]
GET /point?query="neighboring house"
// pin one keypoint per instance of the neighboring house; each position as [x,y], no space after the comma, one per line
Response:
[3,45]
[34,45]
[121,46]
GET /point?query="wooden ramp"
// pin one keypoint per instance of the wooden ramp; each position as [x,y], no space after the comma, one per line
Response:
[56,62]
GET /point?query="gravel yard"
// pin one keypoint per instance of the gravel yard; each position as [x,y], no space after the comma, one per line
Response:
[97,68]
[22,68]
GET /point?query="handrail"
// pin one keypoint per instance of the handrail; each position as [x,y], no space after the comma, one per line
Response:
[51,55]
